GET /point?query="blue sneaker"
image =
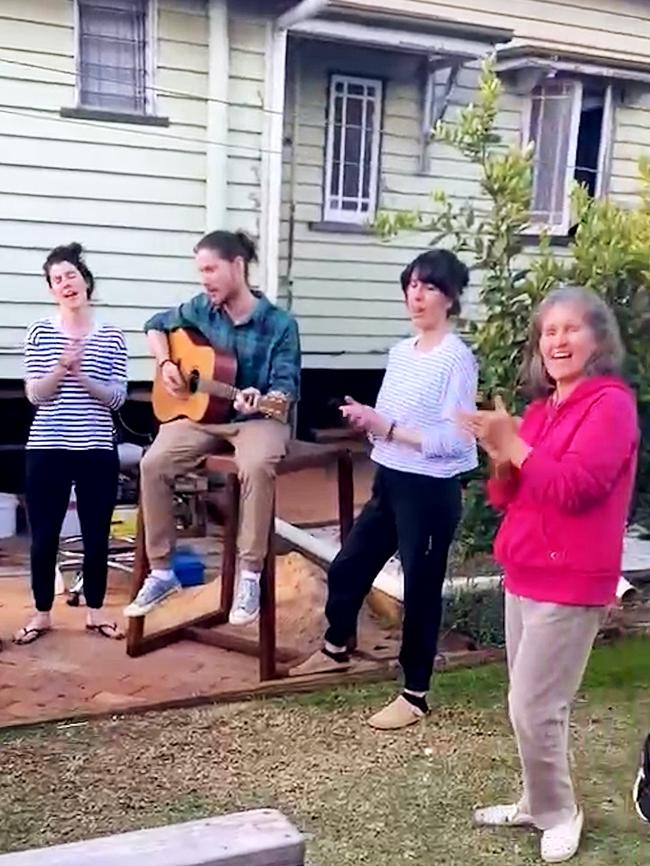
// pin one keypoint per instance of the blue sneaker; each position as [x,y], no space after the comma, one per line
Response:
[154,590]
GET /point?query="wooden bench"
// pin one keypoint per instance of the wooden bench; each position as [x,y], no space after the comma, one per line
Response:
[300,456]
[261,837]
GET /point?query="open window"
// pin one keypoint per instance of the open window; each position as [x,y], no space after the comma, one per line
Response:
[570,123]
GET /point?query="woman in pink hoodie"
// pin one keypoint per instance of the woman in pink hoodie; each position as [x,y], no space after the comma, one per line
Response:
[563,476]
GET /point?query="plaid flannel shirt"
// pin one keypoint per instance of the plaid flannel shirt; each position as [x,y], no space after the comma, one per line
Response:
[266,345]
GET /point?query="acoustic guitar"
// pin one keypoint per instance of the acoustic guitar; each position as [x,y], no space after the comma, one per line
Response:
[209,376]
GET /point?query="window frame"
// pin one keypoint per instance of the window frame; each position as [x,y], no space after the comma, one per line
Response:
[150,66]
[607,131]
[604,155]
[337,215]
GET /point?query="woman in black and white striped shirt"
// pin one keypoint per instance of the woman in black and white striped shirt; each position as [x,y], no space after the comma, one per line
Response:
[75,374]
[421,452]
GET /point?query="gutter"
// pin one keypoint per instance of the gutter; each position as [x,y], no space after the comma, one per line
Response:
[300,12]
[273,139]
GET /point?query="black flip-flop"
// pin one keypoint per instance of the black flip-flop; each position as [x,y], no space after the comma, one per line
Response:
[106,629]
[29,635]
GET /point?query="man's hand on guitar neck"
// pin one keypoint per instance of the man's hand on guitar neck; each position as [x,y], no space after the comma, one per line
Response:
[246,401]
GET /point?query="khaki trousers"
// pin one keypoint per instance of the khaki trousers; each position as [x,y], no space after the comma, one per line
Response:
[180,447]
[548,646]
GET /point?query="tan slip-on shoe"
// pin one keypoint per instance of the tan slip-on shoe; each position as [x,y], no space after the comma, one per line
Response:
[319,663]
[400,713]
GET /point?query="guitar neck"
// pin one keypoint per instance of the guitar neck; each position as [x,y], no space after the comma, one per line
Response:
[271,406]
[218,389]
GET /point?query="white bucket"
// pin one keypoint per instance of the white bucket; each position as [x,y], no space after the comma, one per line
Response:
[129,455]
[8,508]
[71,526]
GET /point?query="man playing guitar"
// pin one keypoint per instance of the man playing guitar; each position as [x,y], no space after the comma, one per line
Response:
[265,344]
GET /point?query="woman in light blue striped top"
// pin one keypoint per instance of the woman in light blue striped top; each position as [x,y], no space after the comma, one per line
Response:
[75,376]
[421,452]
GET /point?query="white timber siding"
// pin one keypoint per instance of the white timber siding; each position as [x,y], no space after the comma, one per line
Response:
[133,195]
[631,140]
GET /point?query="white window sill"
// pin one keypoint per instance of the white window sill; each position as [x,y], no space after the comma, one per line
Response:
[534,237]
[341,228]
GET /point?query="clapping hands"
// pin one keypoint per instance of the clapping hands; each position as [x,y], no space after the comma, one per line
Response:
[495,429]
[72,356]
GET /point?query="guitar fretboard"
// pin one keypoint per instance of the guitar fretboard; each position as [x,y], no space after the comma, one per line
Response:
[272,407]
[218,389]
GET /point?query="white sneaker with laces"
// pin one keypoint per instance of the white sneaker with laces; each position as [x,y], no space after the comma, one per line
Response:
[246,606]
[501,816]
[562,842]
[157,587]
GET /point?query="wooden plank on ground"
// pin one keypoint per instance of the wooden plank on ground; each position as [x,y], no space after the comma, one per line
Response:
[262,837]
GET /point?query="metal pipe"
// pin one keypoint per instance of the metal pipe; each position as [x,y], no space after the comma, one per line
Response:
[389,580]
[295,140]
[216,186]
[272,140]
[318,549]
[271,161]
[624,589]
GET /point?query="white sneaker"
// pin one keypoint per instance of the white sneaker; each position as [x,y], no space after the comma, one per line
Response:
[562,842]
[501,816]
[246,606]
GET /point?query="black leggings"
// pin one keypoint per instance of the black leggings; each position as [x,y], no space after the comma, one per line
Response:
[418,516]
[50,475]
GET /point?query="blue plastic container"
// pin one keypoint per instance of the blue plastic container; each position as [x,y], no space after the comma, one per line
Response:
[188,567]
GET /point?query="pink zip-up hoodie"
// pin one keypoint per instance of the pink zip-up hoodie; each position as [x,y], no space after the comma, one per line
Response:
[561,539]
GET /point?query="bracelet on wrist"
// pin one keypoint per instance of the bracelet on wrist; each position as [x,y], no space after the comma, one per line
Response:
[391,431]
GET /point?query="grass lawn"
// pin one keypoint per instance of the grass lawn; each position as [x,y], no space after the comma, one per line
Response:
[362,797]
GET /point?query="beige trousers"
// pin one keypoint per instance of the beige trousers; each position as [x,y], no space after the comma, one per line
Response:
[548,646]
[181,446]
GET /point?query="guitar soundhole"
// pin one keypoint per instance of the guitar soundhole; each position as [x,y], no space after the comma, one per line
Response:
[193,381]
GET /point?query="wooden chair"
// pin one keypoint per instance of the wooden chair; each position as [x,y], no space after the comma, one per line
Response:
[300,456]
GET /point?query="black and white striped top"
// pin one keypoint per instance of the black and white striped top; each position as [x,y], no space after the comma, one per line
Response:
[424,391]
[72,419]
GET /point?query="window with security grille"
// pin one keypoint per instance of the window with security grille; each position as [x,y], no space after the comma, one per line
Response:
[113,48]
[353,149]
